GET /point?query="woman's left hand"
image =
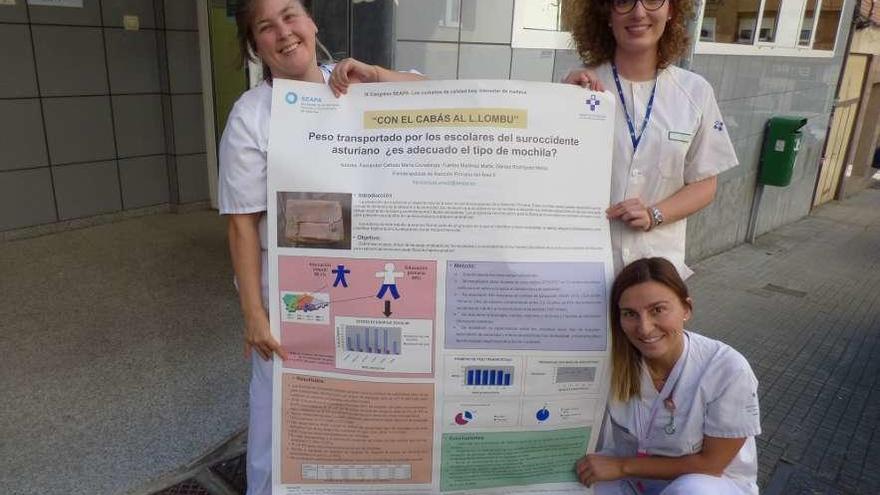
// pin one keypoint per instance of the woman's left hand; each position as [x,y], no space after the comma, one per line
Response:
[585,78]
[351,71]
[594,467]
[632,212]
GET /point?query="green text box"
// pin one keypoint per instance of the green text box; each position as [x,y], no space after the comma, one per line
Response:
[489,460]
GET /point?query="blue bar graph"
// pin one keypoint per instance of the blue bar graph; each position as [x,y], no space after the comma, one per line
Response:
[486,376]
[373,340]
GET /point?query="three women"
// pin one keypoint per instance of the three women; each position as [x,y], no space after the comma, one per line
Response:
[669,146]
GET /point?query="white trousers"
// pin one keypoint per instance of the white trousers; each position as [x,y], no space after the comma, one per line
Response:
[689,484]
[259,447]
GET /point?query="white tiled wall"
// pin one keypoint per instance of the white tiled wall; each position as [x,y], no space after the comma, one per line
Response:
[482,61]
[457,39]
[486,21]
[95,118]
[436,60]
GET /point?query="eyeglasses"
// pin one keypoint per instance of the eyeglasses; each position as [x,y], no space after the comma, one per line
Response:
[626,6]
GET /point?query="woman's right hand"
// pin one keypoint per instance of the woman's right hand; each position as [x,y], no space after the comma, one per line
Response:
[585,78]
[631,212]
[258,337]
[593,468]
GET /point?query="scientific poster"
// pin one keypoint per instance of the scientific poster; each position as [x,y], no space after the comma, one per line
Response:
[440,266]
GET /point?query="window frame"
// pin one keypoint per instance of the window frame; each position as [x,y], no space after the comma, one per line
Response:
[522,37]
[765,48]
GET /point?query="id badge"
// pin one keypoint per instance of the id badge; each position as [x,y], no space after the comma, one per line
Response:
[681,137]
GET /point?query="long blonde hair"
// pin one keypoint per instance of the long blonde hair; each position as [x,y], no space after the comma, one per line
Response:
[626,360]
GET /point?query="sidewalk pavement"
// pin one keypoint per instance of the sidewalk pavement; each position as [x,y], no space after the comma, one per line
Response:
[122,351]
[120,354]
[803,305]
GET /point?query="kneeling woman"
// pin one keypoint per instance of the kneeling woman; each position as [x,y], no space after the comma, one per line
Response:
[683,411]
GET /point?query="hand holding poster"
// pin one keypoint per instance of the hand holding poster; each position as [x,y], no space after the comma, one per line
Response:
[439,272]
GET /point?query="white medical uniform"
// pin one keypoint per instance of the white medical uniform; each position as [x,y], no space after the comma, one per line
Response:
[684,141]
[716,395]
[243,160]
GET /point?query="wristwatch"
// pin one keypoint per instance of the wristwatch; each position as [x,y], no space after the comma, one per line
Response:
[656,216]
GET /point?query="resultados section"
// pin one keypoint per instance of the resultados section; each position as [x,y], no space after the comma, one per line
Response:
[347,431]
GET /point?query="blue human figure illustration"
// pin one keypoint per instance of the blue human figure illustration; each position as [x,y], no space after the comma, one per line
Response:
[388,281]
[340,272]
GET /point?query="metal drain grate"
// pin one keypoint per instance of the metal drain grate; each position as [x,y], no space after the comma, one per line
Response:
[233,472]
[188,487]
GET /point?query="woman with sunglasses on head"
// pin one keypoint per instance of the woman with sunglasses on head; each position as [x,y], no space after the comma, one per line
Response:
[683,412]
[282,36]
[670,142]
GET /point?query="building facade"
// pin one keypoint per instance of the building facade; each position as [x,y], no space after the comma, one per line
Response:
[103,117]
[100,110]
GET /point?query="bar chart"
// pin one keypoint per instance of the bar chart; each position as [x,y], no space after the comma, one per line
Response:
[575,374]
[373,340]
[489,376]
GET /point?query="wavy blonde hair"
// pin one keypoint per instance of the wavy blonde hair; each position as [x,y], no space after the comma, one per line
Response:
[594,41]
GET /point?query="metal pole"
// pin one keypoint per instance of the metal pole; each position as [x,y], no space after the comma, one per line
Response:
[753,218]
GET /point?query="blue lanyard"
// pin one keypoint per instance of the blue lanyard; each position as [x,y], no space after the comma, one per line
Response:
[629,122]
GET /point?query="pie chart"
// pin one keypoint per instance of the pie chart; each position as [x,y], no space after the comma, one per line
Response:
[464,418]
[542,415]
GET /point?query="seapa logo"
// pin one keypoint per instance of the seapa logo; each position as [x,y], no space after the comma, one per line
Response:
[291,98]
[593,103]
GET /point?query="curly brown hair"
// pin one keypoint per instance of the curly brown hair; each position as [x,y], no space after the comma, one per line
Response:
[594,40]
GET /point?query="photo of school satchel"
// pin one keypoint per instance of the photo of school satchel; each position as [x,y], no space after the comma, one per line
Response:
[313,221]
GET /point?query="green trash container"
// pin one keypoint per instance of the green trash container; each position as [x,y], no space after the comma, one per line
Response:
[782,140]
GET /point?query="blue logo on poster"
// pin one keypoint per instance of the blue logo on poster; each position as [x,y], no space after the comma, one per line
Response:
[290,98]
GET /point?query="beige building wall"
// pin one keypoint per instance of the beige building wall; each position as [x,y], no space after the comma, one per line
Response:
[866,136]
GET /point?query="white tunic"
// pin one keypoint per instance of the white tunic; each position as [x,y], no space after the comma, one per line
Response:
[243,189]
[243,159]
[685,141]
[716,396]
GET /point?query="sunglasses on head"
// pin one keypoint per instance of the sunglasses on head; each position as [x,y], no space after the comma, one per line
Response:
[626,6]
